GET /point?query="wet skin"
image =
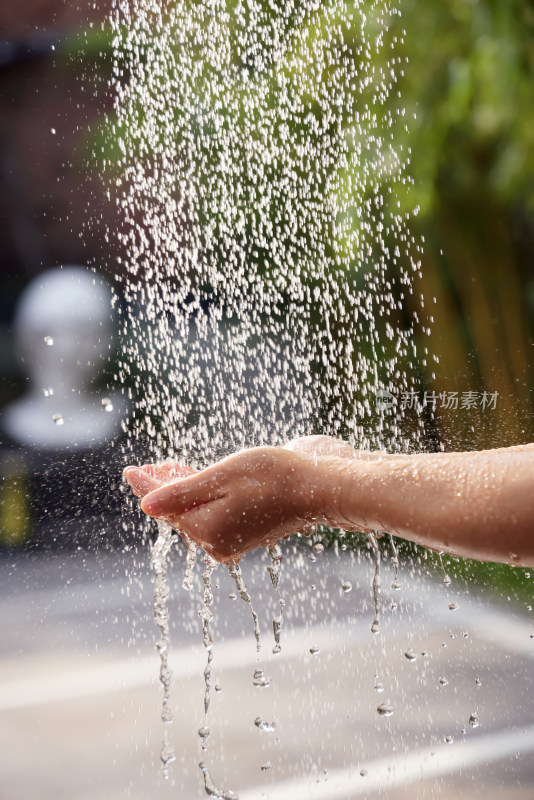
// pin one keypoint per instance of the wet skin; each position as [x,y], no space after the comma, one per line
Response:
[478,505]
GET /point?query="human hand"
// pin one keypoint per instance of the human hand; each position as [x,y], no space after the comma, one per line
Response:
[250,499]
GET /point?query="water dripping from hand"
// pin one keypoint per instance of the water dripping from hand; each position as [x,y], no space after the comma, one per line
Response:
[159,564]
[275,569]
[375,627]
[235,571]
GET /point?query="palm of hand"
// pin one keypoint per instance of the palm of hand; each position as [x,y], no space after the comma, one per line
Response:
[248,500]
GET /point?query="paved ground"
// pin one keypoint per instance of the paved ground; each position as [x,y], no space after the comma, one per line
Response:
[79,697]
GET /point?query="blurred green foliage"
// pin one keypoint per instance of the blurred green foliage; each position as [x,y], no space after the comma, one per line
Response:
[470,84]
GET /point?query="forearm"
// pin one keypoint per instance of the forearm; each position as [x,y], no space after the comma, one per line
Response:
[478,505]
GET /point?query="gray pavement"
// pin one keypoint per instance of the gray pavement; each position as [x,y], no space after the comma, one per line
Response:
[80,700]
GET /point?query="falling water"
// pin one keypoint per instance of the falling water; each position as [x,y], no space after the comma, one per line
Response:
[235,572]
[375,625]
[206,616]
[266,258]
[160,552]
[190,563]
[275,570]
[395,561]
[211,788]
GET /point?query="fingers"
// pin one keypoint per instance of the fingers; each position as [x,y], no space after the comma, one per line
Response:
[182,495]
[149,477]
[168,471]
[141,482]
[207,525]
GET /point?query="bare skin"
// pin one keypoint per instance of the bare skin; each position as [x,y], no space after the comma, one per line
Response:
[479,505]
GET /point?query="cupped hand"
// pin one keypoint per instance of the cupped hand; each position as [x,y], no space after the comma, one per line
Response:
[250,499]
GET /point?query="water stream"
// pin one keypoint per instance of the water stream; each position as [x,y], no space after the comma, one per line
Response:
[266,258]
[159,565]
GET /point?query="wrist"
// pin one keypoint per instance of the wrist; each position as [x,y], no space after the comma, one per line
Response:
[324,478]
[360,501]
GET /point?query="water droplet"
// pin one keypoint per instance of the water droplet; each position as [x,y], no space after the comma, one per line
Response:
[212,790]
[314,651]
[107,405]
[218,688]
[446,580]
[454,606]
[263,725]
[167,757]
[473,721]
[396,585]
[58,419]
[277,627]
[384,710]
[204,734]
[53,131]
[346,586]
[394,606]
[277,650]
[379,687]
[318,548]
[343,546]
[266,766]
[48,391]
[443,682]
[275,567]
[478,682]
[410,655]
[232,596]
[448,739]
[49,340]
[363,773]
[375,627]
[260,679]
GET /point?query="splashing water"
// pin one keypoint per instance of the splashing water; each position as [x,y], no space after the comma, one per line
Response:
[266,257]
